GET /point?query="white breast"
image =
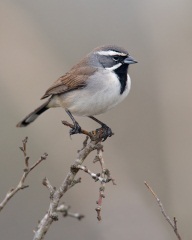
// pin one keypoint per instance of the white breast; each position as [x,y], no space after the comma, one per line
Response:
[101,94]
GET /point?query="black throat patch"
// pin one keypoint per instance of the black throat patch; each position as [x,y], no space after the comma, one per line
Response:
[122,76]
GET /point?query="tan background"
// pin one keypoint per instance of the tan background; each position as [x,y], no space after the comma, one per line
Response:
[41,40]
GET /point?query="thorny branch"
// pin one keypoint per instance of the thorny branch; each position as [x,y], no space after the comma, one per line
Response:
[91,143]
[173,223]
[21,185]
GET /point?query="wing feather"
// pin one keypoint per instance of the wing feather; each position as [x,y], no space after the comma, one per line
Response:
[74,79]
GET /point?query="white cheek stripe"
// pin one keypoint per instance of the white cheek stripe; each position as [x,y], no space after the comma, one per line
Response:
[111,53]
[114,67]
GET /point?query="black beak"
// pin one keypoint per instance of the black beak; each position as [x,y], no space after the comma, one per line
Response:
[129,60]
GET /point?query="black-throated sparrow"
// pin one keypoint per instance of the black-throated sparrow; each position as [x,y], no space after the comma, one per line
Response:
[94,85]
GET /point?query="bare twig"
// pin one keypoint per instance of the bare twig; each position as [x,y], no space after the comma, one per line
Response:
[47,184]
[173,223]
[99,158]
[27,170]
[95,176]
[105,174]
[64,209]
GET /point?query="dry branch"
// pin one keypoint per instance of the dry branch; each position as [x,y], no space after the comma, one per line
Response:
[21,185]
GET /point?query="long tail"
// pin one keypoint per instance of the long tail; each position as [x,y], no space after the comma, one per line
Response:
[33,115]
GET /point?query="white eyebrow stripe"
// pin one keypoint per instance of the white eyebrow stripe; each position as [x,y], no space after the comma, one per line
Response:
[111,53]
[114,67]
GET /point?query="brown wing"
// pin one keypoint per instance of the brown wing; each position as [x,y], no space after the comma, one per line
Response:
[74,79]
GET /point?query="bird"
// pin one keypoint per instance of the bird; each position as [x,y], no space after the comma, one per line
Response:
[96,84]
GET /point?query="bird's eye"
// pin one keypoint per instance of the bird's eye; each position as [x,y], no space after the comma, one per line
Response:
[115,58]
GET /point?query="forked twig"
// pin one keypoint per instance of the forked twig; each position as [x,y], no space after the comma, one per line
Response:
[27,170]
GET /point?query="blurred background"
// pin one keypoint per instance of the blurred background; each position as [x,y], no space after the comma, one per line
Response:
[39,42]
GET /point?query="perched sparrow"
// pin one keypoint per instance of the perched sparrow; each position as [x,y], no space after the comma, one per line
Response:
[93,86]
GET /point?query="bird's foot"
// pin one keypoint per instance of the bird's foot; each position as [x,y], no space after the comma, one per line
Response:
[75,129]
[100,134]
[103,133]
[107,132]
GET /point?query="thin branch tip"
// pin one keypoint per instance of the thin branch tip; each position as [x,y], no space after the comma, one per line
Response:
[173,223]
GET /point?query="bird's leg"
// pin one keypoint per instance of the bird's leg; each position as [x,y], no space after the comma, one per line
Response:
[107,132]
[76,129]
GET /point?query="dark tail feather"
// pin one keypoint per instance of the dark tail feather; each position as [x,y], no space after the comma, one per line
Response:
[33,115]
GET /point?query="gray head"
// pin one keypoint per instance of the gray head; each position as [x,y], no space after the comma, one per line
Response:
[110,57]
